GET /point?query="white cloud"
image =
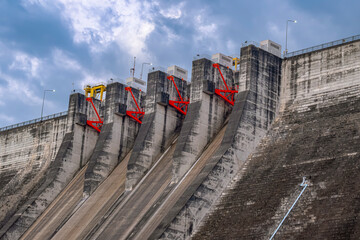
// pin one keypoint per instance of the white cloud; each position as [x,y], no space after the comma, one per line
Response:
[30,65]
[173,12]
[6,118]
[100,23]
[63,61]
[205,28]
[19,89]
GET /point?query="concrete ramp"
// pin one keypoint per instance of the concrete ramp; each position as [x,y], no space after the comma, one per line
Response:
[94,210]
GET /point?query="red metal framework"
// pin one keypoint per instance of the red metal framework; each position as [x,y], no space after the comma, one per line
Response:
[227,94]
[136,115]
[96,124]
[181,105]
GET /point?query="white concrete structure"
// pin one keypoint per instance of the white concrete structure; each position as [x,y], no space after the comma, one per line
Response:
[136,83]
[177,72]
[222,59]
[271,47]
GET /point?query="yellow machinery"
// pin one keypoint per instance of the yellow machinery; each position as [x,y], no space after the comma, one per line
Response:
[236,61]
[95,91]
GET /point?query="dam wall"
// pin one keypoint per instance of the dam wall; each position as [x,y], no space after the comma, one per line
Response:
[160,126]
[30,147]
[117,135]
[206,114]
[253,113]
[22,206]
[309,155]
[321,77]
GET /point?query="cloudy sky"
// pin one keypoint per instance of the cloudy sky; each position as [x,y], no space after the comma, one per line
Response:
[58,44]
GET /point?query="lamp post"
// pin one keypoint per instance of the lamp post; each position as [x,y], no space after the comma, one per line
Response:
[42,108]
[287,22]
[142,68]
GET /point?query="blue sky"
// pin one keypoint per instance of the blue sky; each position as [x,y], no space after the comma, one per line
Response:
[53,44]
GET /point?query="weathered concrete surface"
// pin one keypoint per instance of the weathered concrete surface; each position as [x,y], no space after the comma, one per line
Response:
[253,113]
[143,197]
[320,144]
[58,211]
[310,77]
[117,135]
[160,125]
[73,153]
[94,209]
[29,146]
[26,153]
[206,114]
[173,194]
[315,137]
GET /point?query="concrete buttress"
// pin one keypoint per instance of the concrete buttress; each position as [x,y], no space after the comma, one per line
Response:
[75,150]
[116,138]
[160,125]
[254,111]
[206,114]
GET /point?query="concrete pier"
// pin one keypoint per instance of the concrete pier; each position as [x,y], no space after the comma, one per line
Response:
[252,115]
[206,114]
[74,151]
[316,137]
[161,124]
[117,135]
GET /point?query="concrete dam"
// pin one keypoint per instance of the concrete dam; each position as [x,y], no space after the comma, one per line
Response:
[267,150]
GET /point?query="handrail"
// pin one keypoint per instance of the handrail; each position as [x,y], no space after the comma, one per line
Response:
[303,184]
[247,43]
[158,68]
[34,121]
[322,46]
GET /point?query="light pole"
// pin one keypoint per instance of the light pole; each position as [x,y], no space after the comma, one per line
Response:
[142,68]
[42,108]
[287,22]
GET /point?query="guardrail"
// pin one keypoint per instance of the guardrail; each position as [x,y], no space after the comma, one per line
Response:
[247,43]
[322,46]
[200,56]
[154,69]
[34,121]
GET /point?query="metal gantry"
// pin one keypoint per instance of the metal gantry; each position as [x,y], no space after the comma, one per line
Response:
[96,124]
[95,91]
[181,105]
[135,114]
[227,94]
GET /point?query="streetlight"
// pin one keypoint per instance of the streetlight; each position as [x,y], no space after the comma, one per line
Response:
[294,21]
[142,68]
[42,108]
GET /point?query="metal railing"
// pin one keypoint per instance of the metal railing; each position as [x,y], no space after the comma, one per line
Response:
[154,69]
[322,46]
[247,43]
[34,121]
[200,56]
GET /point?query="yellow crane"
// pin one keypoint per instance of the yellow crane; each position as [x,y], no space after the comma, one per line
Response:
[96,91]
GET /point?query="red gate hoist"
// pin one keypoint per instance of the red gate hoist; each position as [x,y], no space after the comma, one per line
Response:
[227,94]
[96,124]
[180,104]
[136,115]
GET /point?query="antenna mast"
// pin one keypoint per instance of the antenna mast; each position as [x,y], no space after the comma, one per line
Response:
[132,70]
